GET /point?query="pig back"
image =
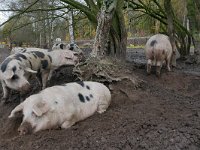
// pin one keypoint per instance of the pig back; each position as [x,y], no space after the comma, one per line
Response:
[158,45]
[79,98]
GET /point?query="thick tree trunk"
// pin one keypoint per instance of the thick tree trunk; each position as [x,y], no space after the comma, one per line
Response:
[111,35]
[101,42]
[170,27]
[197,37]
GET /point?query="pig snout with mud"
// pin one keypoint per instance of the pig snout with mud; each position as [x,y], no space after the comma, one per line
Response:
[158,49]
[16,69]
[62,106]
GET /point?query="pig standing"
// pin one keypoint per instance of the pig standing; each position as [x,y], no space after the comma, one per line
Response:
[59,58]
[63,46]
[62,106]
[158,49]
[27,49]
[64,57]
[17,68]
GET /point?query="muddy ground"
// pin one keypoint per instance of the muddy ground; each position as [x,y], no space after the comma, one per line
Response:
[162,114]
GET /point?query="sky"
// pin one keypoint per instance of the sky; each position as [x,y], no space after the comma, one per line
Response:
[4,15]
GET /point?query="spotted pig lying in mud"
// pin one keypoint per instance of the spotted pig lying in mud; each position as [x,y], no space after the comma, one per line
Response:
[62,106]
[158,49]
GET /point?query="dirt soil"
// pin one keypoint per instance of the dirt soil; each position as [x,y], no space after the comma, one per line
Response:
[163,114]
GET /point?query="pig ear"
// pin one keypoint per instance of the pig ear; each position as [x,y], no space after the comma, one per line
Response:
[16,110]
[40,108]
[30,70]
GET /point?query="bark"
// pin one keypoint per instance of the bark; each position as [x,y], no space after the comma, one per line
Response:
[71,28]
[101,42]
[111,34]
[170,27]
[197,39]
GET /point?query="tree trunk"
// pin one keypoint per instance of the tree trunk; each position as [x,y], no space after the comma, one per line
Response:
[170,27]
[197,36]
[71,26]
[111,35]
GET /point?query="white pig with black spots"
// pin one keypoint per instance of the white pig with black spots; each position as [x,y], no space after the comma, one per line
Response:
[62,106]
[158,49]
[16,70]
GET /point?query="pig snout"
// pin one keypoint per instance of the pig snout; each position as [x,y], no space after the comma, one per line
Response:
[25,88]
[25,128]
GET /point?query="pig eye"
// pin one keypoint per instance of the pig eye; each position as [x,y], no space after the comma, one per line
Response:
[14,77]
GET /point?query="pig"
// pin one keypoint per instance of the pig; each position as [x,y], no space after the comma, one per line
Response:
[59,58]
[27,49]
[157,50]
[16,69]
[64,57]
[61,106]
[64,46]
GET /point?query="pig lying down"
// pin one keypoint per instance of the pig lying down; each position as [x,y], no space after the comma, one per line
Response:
[158,49]
[62,106]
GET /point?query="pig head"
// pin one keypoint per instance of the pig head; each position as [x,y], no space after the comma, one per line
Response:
[34,116]
[15,74]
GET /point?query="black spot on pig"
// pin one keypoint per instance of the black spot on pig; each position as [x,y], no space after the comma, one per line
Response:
[44,64]
[61,46]
[5,64]
[91,95]
[50,58]
[34,55]
[81,98]
[88,87]
[57,44]
[39,54]
[80,83]
[153,43]
[23,50]
[71,47]
[14,68]
[87,98]
[20,57]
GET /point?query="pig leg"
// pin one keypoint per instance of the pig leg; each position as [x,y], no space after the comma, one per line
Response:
[158,68]
[101,108]
[168,64]
[50,74]
[149,63]
[45,75]
[67,124]
[6,92]
[39,78]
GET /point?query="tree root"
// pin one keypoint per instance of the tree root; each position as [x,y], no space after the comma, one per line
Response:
[107,70]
